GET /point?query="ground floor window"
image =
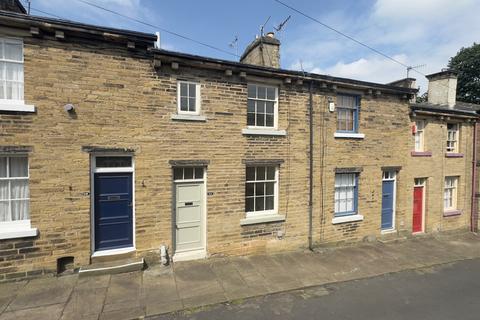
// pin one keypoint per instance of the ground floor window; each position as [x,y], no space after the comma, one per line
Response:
[261,190]
[14,192]
[346,194]
[450,193]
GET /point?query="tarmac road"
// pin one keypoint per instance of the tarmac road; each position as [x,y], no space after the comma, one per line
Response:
[446,292]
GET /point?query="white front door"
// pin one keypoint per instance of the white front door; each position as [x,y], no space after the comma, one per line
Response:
[189,233]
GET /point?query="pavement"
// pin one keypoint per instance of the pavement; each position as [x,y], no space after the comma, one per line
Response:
[186,287]
[443,292]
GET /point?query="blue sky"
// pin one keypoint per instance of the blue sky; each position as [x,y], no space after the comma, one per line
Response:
[414,32]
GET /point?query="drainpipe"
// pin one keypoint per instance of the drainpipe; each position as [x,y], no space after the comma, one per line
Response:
[310,195]
[474,216]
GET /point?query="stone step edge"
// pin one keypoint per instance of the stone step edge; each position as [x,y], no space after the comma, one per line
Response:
[114,269]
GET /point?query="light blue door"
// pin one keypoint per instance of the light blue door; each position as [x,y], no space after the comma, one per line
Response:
[388,189]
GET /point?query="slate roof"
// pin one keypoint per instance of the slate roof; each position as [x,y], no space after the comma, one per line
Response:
[461,108]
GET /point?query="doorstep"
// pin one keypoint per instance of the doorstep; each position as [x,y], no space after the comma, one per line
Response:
[112,267]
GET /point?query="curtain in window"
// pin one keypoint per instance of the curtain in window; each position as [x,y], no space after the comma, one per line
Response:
[11,70]
[344,193]
[14,192]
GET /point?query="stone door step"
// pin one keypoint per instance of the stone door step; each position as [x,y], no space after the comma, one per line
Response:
[112,267]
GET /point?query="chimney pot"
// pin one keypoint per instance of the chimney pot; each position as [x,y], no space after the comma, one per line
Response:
[271,34]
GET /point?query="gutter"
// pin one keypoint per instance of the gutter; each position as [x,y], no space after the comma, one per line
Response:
[310,194]
[474,215]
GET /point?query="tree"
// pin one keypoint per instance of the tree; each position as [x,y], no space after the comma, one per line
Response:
[467,64]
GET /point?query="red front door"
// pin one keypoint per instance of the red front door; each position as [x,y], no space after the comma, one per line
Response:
[417,209]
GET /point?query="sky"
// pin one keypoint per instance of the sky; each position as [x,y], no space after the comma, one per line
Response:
[414,32]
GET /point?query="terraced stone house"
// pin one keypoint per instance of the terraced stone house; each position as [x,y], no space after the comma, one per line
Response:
[115,151]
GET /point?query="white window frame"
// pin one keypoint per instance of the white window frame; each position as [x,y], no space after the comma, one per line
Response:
[274,211]
[275,107]
[420,135]
[18,228]
[197,98]
[14,104]
[455,141]
[355,195]
[453,188]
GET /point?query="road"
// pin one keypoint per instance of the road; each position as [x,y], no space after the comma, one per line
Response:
[446,292]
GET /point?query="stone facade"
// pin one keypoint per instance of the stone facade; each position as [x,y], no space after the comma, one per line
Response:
[126,99]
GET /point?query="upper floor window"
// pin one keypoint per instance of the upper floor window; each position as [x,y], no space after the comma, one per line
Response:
[347,113]
[346,194]
[262,109]
[14,192]
[11,69]
[450,193]
[452,137]
[420,135]
[261,190]
[188,98]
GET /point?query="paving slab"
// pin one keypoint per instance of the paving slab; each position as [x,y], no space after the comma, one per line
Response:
[252,277]
[126,313]
[196,279]
[230,279]
[277,277]
[123,288]
[51,312]
[85,303]
[45,291]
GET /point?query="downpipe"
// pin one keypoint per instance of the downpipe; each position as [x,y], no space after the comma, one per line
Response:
[474,206]
[310,195]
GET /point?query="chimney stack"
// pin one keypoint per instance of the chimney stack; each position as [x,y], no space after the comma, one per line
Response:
[263,51]
[442,88]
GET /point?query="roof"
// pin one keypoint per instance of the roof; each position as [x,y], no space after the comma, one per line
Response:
[12,5]
[18,20]
[261,70]
[22,20]
[460,108]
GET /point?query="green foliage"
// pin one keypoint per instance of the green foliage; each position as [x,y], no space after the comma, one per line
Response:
[467,63]
[422,98]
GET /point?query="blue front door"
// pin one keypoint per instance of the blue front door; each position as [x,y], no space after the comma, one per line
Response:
[113,211]
[387,204]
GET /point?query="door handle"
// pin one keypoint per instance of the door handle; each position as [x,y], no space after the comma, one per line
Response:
[130,204]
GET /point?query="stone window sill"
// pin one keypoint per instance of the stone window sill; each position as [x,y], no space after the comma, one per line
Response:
[452,213]
[421,153]
[349,135]
[453,155]
[20,233]
[263,132]
[345,219]
[262,219]
[188,117]
[16,107]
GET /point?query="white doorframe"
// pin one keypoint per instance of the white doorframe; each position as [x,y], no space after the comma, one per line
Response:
[194,254]
[93,170]
[392,176]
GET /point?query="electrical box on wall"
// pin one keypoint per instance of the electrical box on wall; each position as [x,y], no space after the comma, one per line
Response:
[331,106]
